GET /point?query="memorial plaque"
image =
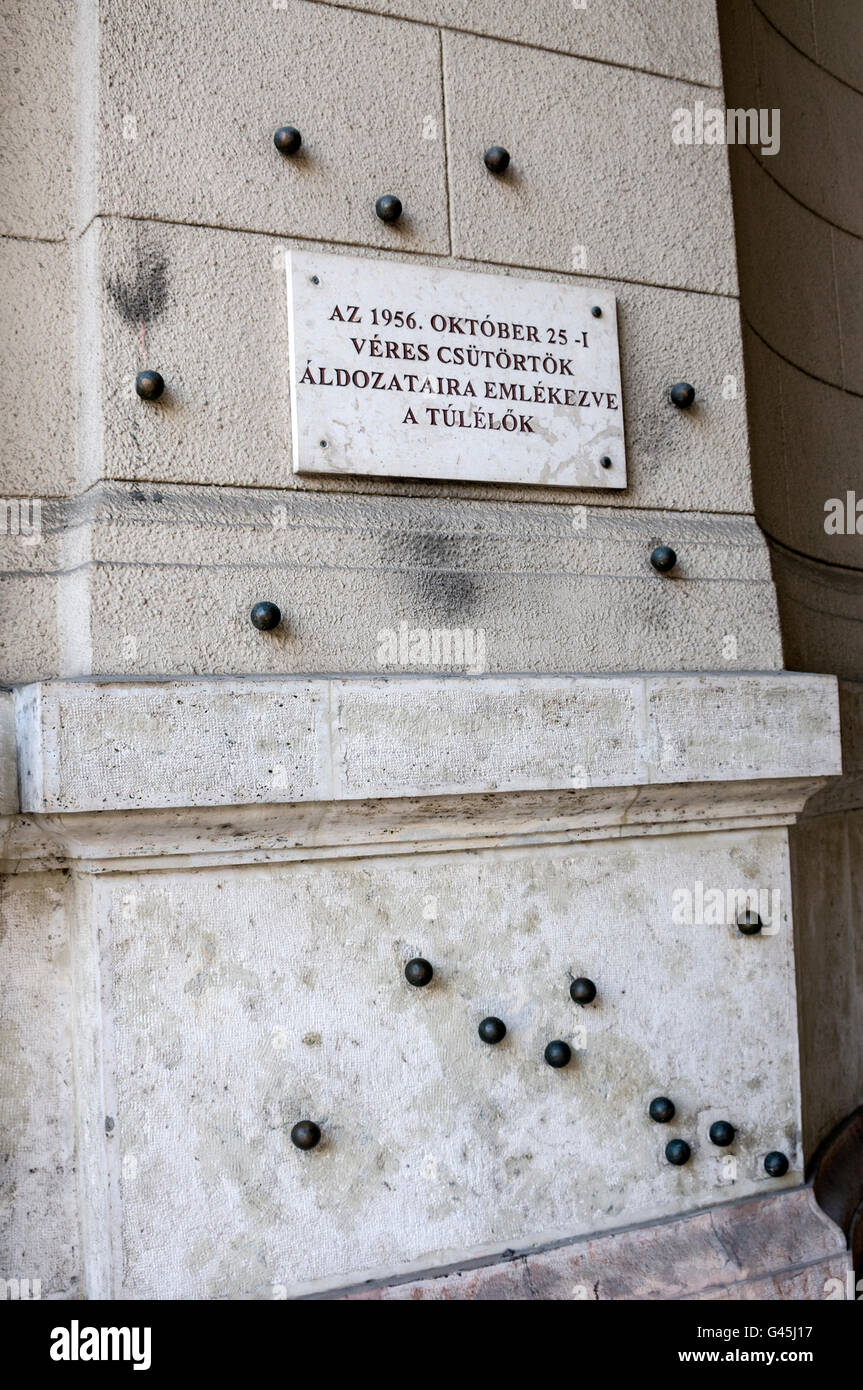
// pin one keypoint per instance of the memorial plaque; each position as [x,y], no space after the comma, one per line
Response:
[415,371]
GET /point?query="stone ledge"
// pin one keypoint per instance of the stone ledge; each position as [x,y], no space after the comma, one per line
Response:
[775,1247]
[208,836]
[87,746]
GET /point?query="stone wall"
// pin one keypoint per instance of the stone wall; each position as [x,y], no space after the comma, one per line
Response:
[222,845]
[799,220]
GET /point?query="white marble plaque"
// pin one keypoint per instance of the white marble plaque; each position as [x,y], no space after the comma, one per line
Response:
[420,372]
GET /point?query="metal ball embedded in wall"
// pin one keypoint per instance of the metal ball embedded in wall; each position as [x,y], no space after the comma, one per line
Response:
[749,923]
[418,972]
[661,1110]
[582,990]
[492,1030]
[388,208]
[682,395]
[663,558]
[776,1164]
[558,1053]
[496,159]
[721,1133]
[305,1134]
[265,616]
[149,385]
[287,139]
[678,1152]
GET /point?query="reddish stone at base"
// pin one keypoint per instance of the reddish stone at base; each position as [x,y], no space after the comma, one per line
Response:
[781,1246]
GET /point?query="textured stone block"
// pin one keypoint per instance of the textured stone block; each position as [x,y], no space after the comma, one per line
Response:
[205,743]
[37,145]
[657,35]
[29,638]
[244,1001]
[584,170]
[207,309]
[38,386]
[165,577]
[182,89]
[8,757]
[729,1253]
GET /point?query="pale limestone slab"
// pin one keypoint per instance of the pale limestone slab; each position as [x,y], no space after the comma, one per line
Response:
[742,726]
[87,746]
[37,406]
[39,1230]
[258,738]
[404,371]
[243,1001]
[447,735]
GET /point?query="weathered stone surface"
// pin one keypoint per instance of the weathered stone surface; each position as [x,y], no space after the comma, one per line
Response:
[827,1279]
[38,388]
[657,35]
[583,172]
[198,743]
[271,832]
[161,580]
[38,140]
[364,92]
[39,1237]
[36,596]
[8,756]
[226,419]
[242,1001]
[741,1250]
